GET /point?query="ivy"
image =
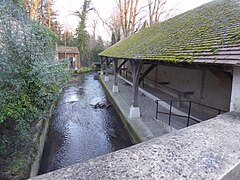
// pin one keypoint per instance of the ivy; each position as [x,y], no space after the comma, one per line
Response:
[30,81]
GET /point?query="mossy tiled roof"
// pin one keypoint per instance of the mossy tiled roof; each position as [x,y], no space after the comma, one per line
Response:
[209,33]
[68,50]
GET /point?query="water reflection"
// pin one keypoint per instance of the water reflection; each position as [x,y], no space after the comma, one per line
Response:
[80,132]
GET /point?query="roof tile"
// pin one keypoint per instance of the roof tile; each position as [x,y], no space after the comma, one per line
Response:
[205,32]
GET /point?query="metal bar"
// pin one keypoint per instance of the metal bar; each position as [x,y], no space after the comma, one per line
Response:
[159,112]
[156,109]
[189,112]
[170,113]
[208,107]
[196,104]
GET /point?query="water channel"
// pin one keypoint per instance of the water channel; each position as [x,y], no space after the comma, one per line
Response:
[79,131]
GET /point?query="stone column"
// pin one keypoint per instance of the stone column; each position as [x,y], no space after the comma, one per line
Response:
[235,96]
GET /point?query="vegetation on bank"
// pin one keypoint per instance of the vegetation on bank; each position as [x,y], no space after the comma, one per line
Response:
[30,81]
[83,70]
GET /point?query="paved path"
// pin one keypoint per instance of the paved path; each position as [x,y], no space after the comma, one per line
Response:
[147,97]
[147,126]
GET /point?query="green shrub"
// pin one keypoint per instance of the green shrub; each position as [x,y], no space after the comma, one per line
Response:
[30,81]
[83,70]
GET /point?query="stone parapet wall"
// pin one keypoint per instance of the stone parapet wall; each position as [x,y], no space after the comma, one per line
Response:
[209,150]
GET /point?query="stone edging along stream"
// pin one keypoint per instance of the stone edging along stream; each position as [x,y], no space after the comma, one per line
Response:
[134,133]
[208,150]
[40,138]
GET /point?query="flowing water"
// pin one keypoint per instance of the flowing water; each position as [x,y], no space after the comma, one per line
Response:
[79,131]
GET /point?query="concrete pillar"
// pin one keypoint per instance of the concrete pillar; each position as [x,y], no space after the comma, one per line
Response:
[235,96]
[115,89]
[106,78]
[134,112]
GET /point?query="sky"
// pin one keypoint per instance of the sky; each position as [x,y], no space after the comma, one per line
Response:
[66,8]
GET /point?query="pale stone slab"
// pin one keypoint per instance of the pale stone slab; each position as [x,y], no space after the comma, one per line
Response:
[209,150]
[115,89]
[134,112]
[106,78]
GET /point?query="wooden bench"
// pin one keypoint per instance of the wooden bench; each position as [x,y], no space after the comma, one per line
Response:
[169,90]
[163,85]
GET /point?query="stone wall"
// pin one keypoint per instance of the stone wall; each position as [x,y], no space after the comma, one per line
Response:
[209,150]
[212,89]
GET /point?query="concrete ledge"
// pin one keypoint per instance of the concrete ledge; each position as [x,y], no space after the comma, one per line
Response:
[208,150]
[40,139]
[137,130]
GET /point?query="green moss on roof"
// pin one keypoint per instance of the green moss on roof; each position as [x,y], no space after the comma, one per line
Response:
[204,29]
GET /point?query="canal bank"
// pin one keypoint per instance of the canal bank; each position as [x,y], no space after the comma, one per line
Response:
[140,129]
[208,150]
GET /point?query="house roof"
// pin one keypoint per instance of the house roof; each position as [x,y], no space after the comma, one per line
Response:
[207,34]
[68,50]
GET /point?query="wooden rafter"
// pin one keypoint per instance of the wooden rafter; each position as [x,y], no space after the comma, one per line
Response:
[149,69]
[124,62]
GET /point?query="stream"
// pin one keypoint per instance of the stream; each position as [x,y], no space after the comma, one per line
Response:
[78,130]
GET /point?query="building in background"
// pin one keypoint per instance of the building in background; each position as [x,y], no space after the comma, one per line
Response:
[70,53]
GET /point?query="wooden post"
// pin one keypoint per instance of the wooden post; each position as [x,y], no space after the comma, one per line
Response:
[202,85]
[156,77]
[115,63]
[115,85]
[136,69]
[101,62]
[106,71]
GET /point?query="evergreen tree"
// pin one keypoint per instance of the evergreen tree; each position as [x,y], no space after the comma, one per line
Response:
[82,34]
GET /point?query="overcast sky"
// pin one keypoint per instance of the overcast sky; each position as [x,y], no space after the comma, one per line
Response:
[66,8]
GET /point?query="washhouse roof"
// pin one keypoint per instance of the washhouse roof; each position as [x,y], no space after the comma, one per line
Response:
[207,34]
[67,50]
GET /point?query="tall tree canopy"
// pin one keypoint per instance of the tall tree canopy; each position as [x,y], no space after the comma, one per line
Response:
[82,34]
[31,79]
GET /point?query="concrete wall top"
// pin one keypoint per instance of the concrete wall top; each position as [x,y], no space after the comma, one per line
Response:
[209,150]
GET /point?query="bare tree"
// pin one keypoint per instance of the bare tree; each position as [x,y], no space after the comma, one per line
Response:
[42,11]
[128,15]
[157,11]
[116,25]
[32,7]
